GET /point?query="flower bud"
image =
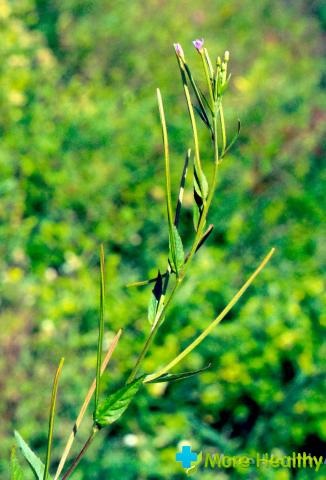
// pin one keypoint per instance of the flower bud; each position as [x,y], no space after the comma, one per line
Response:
[178,50]
[198,44]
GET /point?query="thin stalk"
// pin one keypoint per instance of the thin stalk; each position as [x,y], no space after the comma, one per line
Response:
[100,331]
[166,159]
[153,332]
[208,79]
[84,407]
[217,320]
[51,418]
[81,454]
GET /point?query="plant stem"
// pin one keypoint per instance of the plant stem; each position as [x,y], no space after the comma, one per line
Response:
[81,453]
[192,252]
[51,418]
[208,79]
[84,407]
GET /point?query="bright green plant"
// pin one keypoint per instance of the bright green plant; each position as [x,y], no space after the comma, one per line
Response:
[208,104]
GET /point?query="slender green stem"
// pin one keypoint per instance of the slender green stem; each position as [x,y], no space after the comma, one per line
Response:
[217,320]
[51,418]
[153,332]
[100,331]
[166,158]
[81,454]
[84,407]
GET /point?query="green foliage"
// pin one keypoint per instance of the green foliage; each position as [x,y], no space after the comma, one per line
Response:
[110,410]
[16,472]
[35,463]
[80,147]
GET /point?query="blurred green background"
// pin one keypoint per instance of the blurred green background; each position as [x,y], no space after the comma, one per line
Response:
[81,163]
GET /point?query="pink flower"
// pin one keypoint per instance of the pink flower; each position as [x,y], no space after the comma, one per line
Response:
[198,44]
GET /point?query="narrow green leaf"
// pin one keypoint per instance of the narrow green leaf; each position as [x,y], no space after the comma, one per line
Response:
[16,472]
[111,409]
[177,252]
[35,463]
[174,377]
[200,184]
[196,216]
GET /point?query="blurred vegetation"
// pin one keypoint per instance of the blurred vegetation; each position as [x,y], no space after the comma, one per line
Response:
[81,163]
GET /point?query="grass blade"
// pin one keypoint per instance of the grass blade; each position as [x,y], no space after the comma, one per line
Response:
[51,418]
[215,322]
[84,406]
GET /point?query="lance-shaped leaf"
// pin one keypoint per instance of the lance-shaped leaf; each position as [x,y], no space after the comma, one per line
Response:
[195,216]
[16,472]
[35,463]
[111,409]
[174,377]
[176,249]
